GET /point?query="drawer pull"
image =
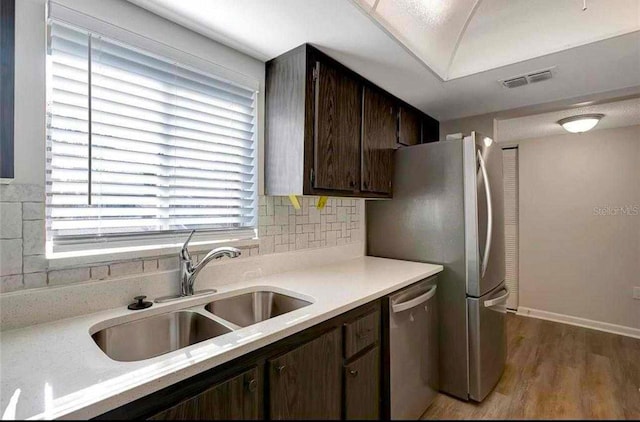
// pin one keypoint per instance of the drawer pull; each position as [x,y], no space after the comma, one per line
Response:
[252,386]
[280,369]
[353,372]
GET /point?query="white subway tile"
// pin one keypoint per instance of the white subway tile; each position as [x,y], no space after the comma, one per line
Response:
[266,244]
[35,280]
[33,211]
[33,234]
[72,275]
[332,238]
[100,272]
[314,215]
[10,257]
[168,263]
[149,265]
[342,214]
[270,206]
[125,268]
[274,230]
[302,241]
[11,283]
[282,215]
[266,220]
[34,263]
[10,220]
[281,248]
[22,193]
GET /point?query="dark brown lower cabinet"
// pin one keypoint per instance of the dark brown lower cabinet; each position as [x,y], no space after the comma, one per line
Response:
[236,398]
[305,383]
[362,386]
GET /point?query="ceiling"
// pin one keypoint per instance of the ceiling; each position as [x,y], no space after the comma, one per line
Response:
[453,37]
[616,114]
[520,40]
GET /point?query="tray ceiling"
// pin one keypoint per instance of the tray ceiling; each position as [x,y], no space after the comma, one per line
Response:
[457,38]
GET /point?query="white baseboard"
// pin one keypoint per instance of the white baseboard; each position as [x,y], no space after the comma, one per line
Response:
[580,322]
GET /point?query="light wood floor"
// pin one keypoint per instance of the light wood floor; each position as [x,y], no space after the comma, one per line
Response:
[557,371]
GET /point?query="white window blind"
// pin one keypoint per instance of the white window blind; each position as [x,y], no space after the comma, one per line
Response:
[140,146]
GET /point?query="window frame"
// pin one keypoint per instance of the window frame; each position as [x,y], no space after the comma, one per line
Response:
[95,248]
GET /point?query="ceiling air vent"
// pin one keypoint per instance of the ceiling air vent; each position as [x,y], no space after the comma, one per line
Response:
[529,78]
[515,82]
[539,76]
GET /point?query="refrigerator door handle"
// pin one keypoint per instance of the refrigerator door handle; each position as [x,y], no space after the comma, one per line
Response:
[403,306]
[487,189]
[497,300]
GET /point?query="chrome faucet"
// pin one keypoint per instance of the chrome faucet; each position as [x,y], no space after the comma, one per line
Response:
[189,272]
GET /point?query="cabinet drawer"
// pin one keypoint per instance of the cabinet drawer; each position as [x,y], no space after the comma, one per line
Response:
[361,333]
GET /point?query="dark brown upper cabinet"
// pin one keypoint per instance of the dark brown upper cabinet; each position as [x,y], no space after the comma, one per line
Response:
[328,130]
[378,140]
[409,126]
[7,78]
[336,142]
[430,129]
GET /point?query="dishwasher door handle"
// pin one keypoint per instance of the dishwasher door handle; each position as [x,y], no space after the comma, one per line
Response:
[403,306]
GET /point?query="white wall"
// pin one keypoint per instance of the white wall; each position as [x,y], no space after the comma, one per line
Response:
[574,260]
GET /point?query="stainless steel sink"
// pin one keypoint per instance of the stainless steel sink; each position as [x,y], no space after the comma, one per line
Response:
[156,335]
[250,308]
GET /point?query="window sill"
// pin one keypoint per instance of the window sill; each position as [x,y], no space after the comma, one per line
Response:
[61,260]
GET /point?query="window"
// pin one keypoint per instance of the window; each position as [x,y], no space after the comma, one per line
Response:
[140,148]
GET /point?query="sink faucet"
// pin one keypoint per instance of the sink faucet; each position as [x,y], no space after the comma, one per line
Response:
[189,272]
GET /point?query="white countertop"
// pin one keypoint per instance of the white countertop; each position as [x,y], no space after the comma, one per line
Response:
[55,370]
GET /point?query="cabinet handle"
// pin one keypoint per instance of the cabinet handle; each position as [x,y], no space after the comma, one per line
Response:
[252,386]
[280,368]
[353,372]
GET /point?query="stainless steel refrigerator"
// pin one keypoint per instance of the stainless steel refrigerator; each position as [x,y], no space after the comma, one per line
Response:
[447,208]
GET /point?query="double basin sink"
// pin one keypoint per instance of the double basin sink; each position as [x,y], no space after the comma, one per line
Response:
[159,334]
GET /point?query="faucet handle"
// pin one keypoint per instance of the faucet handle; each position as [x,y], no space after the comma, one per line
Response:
[184,253]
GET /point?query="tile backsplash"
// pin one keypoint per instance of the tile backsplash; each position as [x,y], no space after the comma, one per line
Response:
[281,228]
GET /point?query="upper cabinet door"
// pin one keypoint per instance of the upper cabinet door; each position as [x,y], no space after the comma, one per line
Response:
[378,141]
[337,120]
[410,126]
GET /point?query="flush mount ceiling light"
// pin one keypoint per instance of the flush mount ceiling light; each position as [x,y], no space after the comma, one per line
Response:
[579,124]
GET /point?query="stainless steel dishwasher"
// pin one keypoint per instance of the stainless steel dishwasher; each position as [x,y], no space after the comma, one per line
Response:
[413,349]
